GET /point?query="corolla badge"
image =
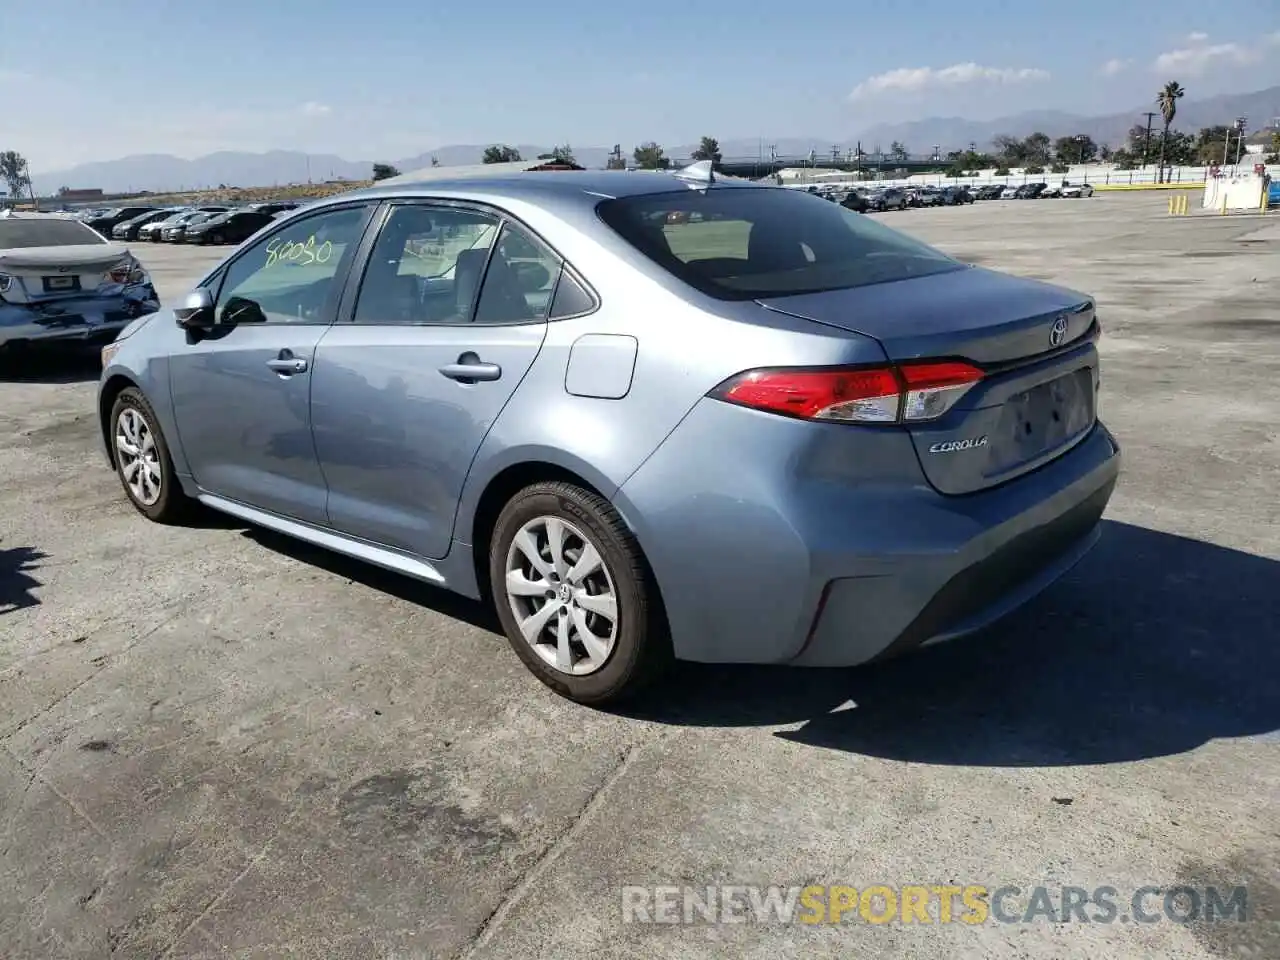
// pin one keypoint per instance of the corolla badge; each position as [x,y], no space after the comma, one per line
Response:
[1058,333]
[953,446]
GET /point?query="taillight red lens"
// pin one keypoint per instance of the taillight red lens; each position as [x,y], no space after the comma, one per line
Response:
[865,394]
[948,373]
[889,394]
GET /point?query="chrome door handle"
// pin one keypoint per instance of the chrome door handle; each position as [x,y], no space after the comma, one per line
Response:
[469,368]
[286,366]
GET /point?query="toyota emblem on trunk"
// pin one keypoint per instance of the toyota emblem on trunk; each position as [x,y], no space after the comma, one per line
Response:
[1059,331]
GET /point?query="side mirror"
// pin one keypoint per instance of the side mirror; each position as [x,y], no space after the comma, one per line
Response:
[197,310]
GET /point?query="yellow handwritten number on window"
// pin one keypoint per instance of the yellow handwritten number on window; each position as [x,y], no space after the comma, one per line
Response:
[297,252]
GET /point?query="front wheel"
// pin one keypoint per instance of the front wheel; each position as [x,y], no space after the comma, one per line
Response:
[143,462]
[574,594]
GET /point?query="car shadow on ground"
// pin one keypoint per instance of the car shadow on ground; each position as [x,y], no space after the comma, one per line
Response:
[75,365]
[376,578]
[16,582]
[1153,646]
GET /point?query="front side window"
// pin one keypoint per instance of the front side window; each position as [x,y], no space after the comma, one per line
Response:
[426,265]
[289,276]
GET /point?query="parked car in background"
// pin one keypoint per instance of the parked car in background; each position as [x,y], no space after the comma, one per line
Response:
[62,283]
[990,191]
[154,231]
[1075,190]
[1029,191]
[175,231]
[234,226]
[929,197]
[129,229]
[106,221]
[271,207]
[956,195]
[902,447]
[856,201]
[890,198]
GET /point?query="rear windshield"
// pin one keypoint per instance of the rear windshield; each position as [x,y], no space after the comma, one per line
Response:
[743,243]
[16,233]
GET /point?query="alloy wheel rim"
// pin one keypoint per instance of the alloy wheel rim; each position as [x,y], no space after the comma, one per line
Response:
[562,596]
[138,455]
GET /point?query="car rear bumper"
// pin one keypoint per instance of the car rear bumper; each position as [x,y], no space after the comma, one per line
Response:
[87,320]
[967,586]
[772,544]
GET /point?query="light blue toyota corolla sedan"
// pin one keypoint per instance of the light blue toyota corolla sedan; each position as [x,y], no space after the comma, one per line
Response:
[649,415]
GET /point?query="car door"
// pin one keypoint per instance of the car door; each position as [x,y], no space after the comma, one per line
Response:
[449,315]
[241,391]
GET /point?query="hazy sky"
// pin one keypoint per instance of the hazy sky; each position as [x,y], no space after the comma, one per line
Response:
[98,79]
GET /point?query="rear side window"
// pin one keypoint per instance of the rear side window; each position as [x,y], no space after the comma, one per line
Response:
[572,298]
[426,266]
[742,243]
[16,232]
[520,279]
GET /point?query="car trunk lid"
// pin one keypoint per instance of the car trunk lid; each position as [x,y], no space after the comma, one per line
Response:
[1034,342]
[49,273]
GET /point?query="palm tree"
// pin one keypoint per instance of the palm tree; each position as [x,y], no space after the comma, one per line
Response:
[1167,100]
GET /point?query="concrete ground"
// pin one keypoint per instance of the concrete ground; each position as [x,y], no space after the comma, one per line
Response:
[214,742]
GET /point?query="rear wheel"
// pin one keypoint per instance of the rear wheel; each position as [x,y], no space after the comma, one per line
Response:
[143,462]
[574,594]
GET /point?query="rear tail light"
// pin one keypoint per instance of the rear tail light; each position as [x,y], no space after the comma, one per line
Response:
[128,271]
[902,393]
[931,389]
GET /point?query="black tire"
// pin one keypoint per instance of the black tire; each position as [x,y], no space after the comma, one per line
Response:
[173,505]
[642,646]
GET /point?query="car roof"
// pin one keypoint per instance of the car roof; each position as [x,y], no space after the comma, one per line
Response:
[571,188]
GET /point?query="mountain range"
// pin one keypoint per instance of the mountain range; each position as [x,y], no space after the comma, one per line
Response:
[1260,109]
[164,172]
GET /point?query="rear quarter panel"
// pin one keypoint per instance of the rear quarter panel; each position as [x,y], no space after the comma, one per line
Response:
[687,344]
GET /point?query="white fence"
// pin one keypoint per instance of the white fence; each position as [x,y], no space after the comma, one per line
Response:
[1098,174]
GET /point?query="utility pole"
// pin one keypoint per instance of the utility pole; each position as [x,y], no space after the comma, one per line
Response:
[1146,144]
[1241,125]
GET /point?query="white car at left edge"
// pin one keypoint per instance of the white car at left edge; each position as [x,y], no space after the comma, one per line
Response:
[64,284]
